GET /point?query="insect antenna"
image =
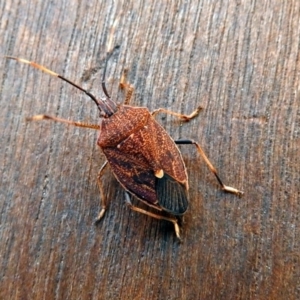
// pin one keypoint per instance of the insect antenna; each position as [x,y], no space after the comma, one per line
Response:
[108,55]
[46,70]
[106,106]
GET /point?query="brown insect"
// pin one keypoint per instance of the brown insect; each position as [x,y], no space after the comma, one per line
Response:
[141,154]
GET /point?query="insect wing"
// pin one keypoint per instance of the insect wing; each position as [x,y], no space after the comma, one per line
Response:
[133,174]
[172,188]
[172,195]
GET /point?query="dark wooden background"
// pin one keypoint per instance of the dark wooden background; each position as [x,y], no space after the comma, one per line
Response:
[240,60]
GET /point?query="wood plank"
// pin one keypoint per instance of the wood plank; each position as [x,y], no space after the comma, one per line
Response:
[240,61]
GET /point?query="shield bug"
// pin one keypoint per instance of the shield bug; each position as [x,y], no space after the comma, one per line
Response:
[142,156]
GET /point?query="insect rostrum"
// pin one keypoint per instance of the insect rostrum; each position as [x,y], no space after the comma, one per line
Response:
[140,153]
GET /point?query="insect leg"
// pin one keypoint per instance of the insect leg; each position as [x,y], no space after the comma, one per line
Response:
[210,166]
[56,119]
[178,115]
[129,89]
[153,215]
[102,195]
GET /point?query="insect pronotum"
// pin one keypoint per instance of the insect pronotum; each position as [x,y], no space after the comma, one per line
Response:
[141,154]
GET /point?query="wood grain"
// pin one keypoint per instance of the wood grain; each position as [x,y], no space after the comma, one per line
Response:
[240,60]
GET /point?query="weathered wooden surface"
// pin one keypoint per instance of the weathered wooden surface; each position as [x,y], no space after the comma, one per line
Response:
[238,59]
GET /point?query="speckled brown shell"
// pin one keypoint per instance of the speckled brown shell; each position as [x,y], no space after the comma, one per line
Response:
[137,147]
